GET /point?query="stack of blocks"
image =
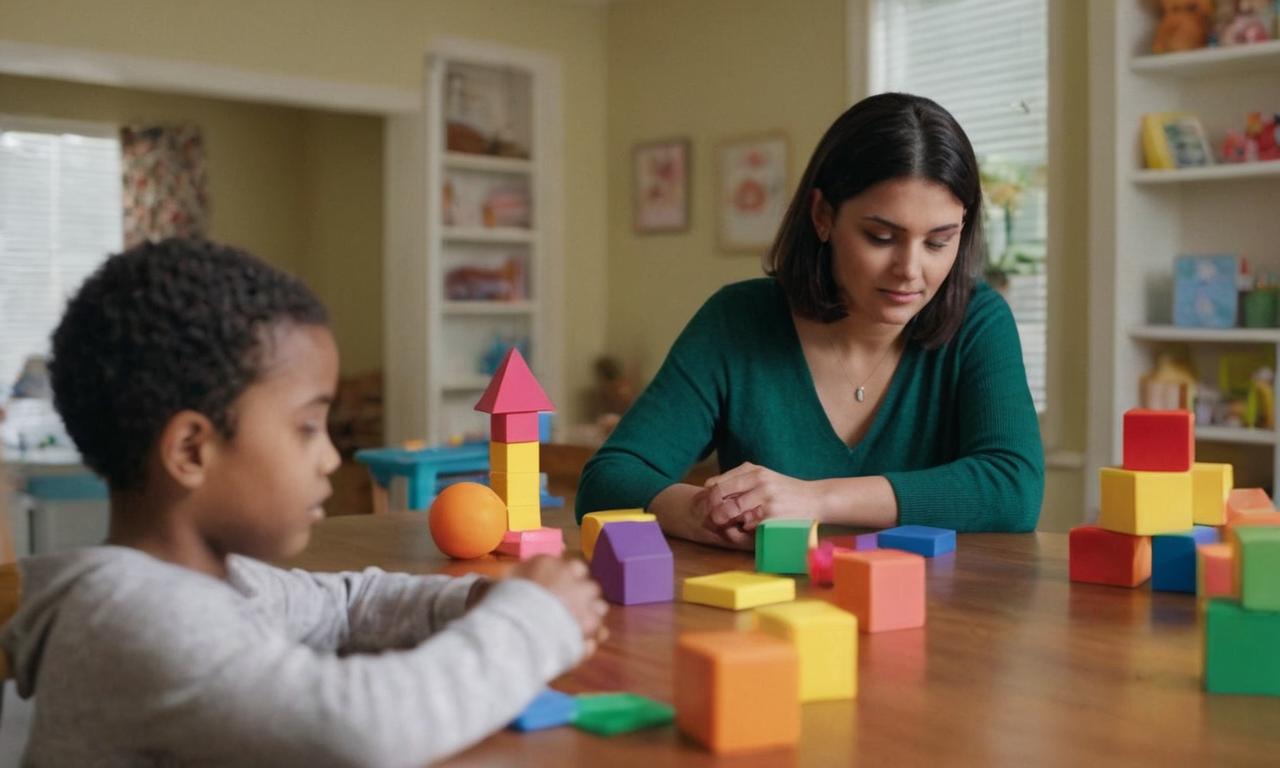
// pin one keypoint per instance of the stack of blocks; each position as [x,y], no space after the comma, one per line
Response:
[514,400]
[1241,635]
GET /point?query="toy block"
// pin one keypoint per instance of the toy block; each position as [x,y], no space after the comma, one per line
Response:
[860,543]
[1255,551]
[1145,503]
[545,426]
[821,563]
[513,457]
[782,546]
[1210,486]
[1248,501]
[1240,649]
[513,389]
[1098,556]
[1159,441]
[1249,521]
[633,564]
[549,709]
[592,522]
[527,544]
[826,641]
[517,489]
[737,590]
[524,517]
[884,588]
[924,540]
[1173,558]
[1215,571]
[737,691]
[607,714]
[514,428]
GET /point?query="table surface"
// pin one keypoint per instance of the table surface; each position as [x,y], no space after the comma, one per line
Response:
[1015,666]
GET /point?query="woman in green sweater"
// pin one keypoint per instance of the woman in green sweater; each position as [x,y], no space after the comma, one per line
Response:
[869,380]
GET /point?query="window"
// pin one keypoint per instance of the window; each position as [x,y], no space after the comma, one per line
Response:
[986,61]
[60,216]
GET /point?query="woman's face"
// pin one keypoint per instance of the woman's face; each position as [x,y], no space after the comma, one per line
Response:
[892,246]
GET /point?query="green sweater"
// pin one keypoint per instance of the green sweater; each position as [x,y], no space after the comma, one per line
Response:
[956,435]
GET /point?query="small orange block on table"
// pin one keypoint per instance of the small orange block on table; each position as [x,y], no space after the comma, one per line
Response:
[1242,502]
[884,588]
[737,691]
[1215,570]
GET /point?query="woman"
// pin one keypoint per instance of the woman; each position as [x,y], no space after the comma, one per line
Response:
[869,380]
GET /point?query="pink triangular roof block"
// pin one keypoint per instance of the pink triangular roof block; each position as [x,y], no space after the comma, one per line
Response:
[514,389]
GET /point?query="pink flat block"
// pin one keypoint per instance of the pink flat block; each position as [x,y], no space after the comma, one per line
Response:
[514,427]
[527,544]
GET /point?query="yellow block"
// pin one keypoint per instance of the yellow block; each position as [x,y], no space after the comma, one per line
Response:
[826,640]
[513,457]
[1145,503]
[517,489]
[737,590]
[1210,486]
[594,521]
[526,517]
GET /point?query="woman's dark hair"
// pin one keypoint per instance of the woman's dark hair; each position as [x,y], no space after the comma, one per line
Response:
[883,137]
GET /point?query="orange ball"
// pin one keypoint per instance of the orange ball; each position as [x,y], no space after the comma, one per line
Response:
[467,520]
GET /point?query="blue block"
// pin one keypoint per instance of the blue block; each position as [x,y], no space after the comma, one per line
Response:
[544,426]
[1173,558]
[549,709]
[920,539]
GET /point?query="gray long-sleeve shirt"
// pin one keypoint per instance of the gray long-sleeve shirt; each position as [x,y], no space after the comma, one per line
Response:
[135,661]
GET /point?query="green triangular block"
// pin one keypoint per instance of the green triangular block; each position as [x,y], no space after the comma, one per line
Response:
[607,714]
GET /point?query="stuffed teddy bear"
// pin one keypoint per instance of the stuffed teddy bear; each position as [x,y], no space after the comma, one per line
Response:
[1184,25]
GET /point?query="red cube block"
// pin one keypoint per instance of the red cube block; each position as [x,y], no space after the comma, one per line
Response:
[1159,441]
[1099,556]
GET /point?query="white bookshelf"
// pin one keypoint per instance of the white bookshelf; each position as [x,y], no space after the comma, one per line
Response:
[1140,220]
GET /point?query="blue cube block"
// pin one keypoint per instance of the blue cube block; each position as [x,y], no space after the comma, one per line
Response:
[549,709]
[921,539]
[1173,558]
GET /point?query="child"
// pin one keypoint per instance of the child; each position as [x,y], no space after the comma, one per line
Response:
[196,379]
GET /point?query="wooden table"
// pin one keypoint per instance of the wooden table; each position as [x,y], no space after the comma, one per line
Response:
[1016,666]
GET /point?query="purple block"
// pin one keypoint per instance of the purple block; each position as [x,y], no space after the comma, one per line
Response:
[633,564]
[866,541]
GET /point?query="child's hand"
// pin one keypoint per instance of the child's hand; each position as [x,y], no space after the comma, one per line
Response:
[568,581]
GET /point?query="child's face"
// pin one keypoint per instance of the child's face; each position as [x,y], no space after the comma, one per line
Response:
[265,486]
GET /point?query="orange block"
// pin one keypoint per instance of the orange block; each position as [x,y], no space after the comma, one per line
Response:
[1271,517]
[1248,501]
[1215,572]
[884,588]
[737,691]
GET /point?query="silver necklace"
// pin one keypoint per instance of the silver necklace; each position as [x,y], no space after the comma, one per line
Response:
[859,390]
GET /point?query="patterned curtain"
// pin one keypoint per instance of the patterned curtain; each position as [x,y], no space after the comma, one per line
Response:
[165,187]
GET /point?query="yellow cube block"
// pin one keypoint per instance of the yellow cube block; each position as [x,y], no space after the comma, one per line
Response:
[737,590]
[1210,486]
[826,640]
[526,517]
[513,457]
[592,522]
[517,489]
[1145,503]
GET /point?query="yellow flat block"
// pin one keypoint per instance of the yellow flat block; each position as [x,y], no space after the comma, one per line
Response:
[592,522]
[526,517]
[826,640]
[517,489]
[737,590]
[513,457]
[1211,484]
[1145,503]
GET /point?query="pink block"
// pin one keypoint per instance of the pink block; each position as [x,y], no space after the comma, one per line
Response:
[514,427]
[526,544]
[1217,570]
[884,588]
[820,564]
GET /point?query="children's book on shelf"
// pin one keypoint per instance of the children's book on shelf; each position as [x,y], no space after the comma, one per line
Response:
[1174,140]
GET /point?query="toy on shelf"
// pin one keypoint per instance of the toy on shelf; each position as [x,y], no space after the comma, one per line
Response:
[475,283]
[634,564]
[1184,25]
[826,641]
[501,346]
[737,590]
[1174,140]
[1242,22]
[782,546]
[467,520]
[884,588]
[1206,291]
[1170,385]
[1258,142]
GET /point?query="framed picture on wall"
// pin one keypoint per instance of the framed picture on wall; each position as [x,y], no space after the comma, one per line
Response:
[660,191]
[751,190]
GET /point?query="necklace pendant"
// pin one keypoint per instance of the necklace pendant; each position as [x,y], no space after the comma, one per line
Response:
[859,394]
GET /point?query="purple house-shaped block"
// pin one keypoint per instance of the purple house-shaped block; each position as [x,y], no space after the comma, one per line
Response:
[633,564]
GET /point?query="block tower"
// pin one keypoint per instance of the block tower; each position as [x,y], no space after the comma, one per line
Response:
[1241,633]
[513,401]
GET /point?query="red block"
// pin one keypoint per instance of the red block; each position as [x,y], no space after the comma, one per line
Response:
[514,427]
[1099,556]
[1159,441]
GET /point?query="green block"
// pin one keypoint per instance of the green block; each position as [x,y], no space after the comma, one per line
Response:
[782,546]
[1241,649]
[606,714]
[1258,567]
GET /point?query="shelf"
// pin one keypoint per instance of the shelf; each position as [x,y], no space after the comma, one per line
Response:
[1236,435]
[489,307]
[489,235]
[1218,335]
[477,383]
[490,163]
[1235,59]
[1222,172]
